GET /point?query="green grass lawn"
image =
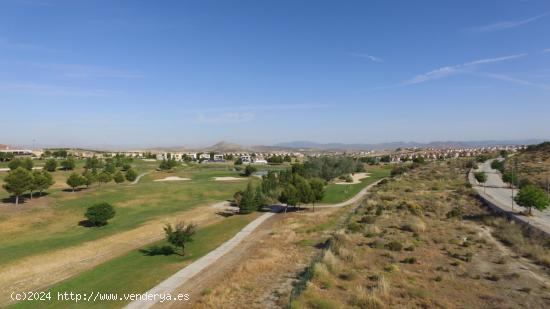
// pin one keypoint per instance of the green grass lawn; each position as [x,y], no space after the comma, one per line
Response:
[136,272]
[55,226]
[335,193]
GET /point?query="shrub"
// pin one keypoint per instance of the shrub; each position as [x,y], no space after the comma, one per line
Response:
[353,227]
[416,226]
[161,250]
[409,260]
[394,246]
[98,214]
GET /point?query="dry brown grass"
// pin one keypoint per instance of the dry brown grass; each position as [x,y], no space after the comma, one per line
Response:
[445,262]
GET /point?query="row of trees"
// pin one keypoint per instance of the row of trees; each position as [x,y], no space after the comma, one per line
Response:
[283,186]
[279,159]
[90,177]
[21,180]
[328,168]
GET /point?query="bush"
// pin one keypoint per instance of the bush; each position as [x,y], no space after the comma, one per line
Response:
[98,214]
[394,246]
[160,250]
[354,227]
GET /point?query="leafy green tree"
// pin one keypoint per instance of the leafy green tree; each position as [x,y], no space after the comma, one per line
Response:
[131,175]
[531,196]
[237,198]
[180,234]
[109,168]
[24,163]
[104,177]
[249,170]
[68,164]
[119,177]
[17,182]
[168,164]
[99,214]
[270,185]
[305,194]
[51,165]
[481,177]
[75,180]
[289,196]
[89,177]
[248,203]
[259,199]
[42,181]
[318,189]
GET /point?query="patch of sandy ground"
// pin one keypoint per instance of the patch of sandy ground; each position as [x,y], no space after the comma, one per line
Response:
[357,177]
[173,178]
[42,270]
[227,178]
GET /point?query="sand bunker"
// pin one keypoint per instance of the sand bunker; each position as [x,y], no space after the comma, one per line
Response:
[227,178]
[173,178]
[357,177]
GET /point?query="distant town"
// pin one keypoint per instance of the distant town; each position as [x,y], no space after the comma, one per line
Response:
[216,154]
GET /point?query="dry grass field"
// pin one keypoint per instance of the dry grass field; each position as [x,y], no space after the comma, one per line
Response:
[424,241]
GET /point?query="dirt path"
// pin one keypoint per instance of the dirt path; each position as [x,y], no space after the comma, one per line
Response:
[43,270]
[517,263]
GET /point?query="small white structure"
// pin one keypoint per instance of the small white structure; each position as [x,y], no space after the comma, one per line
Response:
[260,161]
[192,155]
[246,159]
[218,158]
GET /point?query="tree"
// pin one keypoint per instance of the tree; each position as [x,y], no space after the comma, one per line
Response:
[530,196]
[75,180]
[259,199]
[289,196]
[318,189]
[118,177]
[89,178]
[99,214]
[131,175]
[481,177]
[42,180]
[68,164]
[305,194]
[104,177]
[168,164]
[109,168]
[24,163]
[18,181]
[180,234]
[51,165]
[247,204]
[249,170]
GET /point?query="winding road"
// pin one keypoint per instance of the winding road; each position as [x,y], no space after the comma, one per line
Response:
[499,194]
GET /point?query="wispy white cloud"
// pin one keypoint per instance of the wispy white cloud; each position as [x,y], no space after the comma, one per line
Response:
[86,71]
[503,25]
[259,107]
[225,118]
[366,56]
[544,51]
[52,90]
[456,69]
[511,79]
[22,46]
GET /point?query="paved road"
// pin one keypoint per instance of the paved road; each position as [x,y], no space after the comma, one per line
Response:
[138,178]
[181,277]
[500,194]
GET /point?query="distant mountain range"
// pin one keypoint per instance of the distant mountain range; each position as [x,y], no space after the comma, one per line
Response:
[395,145]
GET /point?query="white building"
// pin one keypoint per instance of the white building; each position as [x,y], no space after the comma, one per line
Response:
[246,159]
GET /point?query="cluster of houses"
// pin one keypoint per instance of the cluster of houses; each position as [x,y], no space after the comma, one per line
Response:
[397,156]
[431,154]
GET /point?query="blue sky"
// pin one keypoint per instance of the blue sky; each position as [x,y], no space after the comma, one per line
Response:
[145,73]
